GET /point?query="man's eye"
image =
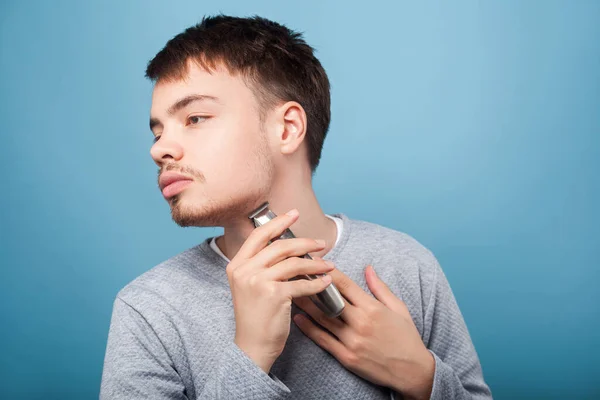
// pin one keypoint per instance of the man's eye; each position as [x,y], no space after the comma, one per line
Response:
[195,119]
[156,139]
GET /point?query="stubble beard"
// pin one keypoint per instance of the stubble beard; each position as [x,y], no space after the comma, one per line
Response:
[222,212]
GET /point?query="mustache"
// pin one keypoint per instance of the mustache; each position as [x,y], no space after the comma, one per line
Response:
[183,170]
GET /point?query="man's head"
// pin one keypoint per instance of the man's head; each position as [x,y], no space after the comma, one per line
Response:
[236,102]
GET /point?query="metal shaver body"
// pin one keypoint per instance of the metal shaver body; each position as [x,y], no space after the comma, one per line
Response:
[330,301]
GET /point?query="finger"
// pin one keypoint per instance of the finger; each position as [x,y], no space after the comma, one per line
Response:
[350,314]
[321,338]
[295,266]
[382,292]
[282,249]
[261,236]
[350,290]
[306,287]
[333,325]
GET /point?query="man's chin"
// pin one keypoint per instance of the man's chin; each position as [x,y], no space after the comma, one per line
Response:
[210,213]
[185,215]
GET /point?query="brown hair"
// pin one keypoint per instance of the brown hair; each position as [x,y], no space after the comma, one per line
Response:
[275,61]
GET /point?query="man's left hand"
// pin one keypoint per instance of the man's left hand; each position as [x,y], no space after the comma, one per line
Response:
[374,337]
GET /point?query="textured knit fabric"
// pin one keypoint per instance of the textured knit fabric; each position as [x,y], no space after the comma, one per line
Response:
[172,329]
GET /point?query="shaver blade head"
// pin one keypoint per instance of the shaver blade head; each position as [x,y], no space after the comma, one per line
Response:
[262,215]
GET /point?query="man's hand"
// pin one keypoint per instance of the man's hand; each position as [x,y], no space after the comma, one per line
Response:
[375,337]
[262,296]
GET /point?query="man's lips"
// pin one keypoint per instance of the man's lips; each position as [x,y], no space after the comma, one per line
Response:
[175,188]
[171,183]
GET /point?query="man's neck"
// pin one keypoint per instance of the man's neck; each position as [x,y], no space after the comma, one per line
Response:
[312,222]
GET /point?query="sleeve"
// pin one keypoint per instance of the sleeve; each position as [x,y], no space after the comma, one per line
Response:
[137,366]
[458,373]
[238,377]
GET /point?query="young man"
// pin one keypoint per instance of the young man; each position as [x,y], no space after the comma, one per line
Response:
[240,110]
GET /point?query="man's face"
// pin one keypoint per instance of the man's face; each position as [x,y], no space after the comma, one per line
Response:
[217,141]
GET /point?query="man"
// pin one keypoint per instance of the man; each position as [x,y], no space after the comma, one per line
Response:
[240,110]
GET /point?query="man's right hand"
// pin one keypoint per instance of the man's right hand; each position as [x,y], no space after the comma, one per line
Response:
[262,295]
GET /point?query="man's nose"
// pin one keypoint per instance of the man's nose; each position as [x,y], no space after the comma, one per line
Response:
[166,149]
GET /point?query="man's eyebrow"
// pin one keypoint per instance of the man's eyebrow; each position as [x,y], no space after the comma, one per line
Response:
[182,103]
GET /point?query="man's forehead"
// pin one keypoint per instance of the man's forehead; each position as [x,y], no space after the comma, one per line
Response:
[166,94]
[195,71]
[218,83]
[196,79]
[175,87]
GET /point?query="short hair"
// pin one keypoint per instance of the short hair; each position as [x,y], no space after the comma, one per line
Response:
[275,61]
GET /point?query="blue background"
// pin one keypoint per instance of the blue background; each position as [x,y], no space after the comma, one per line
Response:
[474,127]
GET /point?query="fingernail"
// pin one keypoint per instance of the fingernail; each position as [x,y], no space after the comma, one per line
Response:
[320,242]
[292,213]
[330,263]
[326,278]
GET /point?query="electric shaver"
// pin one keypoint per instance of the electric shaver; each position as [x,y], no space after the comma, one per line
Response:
[330,301]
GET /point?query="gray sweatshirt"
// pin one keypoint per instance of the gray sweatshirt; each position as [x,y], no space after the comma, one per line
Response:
[172,329]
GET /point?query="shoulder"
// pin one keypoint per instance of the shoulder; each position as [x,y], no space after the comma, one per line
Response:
[168,280]
[388,242]
[404,263]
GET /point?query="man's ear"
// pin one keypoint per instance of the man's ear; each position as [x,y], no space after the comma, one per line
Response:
[292,122]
